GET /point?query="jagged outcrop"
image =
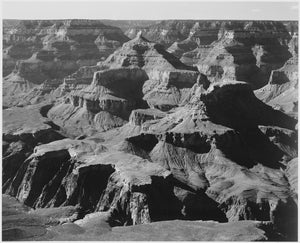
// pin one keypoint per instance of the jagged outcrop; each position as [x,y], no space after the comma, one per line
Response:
[108,41]
[62,40]
[20,41]
[247,51]
[41,180]
[106,103]
[14,87]
[201,36]
[95,226]
[143,53]
[20,136]
[47,92]
[152,139]
[133,190]
[80,79]
[180,165]
[139,116]
[139,71]
[50,90]
[54,49]
[282,90]
[285,139]
[178,48]
[196,144]
[197,55]
[167,32]
[292,175]
[169,78]
[263,43]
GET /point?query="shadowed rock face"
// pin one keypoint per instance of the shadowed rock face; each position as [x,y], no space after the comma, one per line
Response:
[56,41]
[236,50]
[169,79]
[182,36]
[169,31]
[196,55]
[180,165]
[247,52]
[145,141]
[106,103]
[282,90]
[96,226]
[196,145]
[139,72]
[20,136]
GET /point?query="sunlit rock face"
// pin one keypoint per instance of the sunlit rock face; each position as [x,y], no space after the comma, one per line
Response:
[141,74]
[144,140]
[167,32]
[228,143]
[104,104]
[209,161]
[281,92]
[247,51]
[36,51]
[201,34]
[70,42]
[169,79]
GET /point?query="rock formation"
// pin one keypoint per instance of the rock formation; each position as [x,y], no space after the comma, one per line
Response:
[197,55]
[105,103]
[45,50]
[167,32]
[23,129]
[201,34]
[96,227]
[195,143]
[139,71]
[247,51]
[168,77]
[176,166]
[282,90]
[143,139]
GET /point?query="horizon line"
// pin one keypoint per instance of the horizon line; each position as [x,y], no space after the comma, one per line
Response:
[168,19]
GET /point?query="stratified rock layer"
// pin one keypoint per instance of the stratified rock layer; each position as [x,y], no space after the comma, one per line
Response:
[247,51]
[19,224]
[47,50]
[282,90]
[152,139]
[139,71]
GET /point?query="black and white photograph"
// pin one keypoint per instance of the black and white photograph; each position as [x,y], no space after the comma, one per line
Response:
[149,120]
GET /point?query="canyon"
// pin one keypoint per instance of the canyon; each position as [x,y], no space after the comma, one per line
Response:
[150,130]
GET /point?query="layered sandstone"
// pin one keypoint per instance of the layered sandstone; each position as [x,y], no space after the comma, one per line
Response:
[282,90]
[247,51]
[33,225]
[46,50]
[169,78]
[179,165]
[195,143]
[139,71]
[105,103]
[152,143]
[20,136]
[167,32]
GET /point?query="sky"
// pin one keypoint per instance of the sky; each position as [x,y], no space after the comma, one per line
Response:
[157,10]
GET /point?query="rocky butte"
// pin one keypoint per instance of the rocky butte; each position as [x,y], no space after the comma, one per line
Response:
[166,130]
